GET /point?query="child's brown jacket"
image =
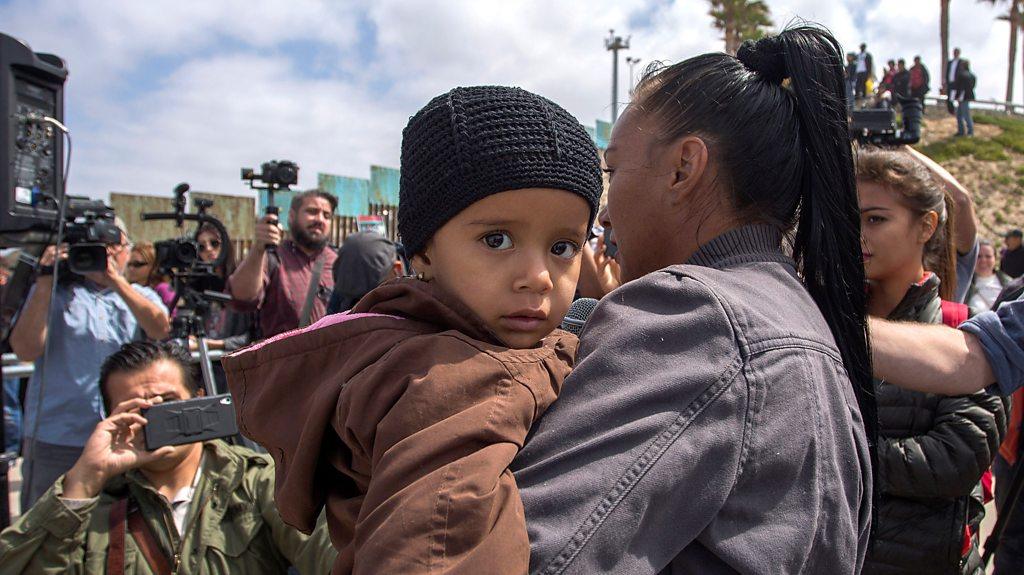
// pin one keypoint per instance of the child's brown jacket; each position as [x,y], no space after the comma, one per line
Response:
[402,417]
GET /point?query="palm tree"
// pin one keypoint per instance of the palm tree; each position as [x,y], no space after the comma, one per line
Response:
[1014,19]
[740,20]
[944,34]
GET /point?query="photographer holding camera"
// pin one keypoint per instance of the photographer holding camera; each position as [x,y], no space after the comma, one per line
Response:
[279,283]
[94,314]
[194,508]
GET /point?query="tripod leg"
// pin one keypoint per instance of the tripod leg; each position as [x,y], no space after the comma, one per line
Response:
[206,366]
[1004,513]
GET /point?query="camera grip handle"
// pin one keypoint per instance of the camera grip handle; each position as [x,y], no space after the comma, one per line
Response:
[272,211]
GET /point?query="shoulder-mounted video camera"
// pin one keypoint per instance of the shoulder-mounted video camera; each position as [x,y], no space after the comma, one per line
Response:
[89,228]
[879,126]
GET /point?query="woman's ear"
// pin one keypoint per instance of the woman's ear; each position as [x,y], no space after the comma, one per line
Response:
[690,159]
[929,223]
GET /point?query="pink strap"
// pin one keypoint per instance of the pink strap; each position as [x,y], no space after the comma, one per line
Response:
[325,322]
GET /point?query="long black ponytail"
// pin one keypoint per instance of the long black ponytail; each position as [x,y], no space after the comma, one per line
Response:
[774,117]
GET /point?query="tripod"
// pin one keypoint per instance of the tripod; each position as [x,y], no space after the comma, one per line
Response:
[190,321]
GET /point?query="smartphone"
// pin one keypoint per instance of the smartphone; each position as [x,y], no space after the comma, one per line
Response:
[610,248]
[190,421]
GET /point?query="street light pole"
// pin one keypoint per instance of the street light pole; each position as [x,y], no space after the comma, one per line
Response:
[613,44]
[632,62]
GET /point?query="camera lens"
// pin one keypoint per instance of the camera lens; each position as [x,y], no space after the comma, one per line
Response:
[187,253]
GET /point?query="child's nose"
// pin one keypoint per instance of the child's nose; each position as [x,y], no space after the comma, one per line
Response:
[535,276]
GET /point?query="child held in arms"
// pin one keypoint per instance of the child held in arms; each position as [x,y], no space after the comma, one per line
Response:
[403,415]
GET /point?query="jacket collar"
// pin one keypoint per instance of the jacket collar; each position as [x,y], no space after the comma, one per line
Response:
[424,301]
[920,297]
[749,243]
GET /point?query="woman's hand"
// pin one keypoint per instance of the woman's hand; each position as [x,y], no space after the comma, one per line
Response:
[599,273]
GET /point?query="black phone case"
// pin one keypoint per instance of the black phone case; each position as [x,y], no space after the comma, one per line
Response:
[190,421]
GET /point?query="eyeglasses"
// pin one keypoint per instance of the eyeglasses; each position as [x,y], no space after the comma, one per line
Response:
[137,264]
[214,245]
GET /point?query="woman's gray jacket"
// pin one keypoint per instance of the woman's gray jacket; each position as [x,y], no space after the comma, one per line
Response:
[709,427]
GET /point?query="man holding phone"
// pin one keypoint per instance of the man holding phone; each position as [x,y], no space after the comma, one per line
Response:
[192,508]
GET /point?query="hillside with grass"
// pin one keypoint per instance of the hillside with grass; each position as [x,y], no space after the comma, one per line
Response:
[991,165]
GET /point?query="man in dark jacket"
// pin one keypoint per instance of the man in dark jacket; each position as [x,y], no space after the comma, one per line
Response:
[964,96]
[919,80]
[1011,262]
[951,78]
[901,81]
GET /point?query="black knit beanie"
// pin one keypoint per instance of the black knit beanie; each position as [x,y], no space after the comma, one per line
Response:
[475,142]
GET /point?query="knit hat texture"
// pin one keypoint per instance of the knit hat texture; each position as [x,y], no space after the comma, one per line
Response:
[475,142]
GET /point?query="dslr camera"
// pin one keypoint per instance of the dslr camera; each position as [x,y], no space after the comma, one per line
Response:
[275,174]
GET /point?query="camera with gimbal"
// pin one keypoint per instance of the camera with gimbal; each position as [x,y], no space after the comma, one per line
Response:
[276,175]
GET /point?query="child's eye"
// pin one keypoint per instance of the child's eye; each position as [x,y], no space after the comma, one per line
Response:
[565,249]
[498,241]
[875,219]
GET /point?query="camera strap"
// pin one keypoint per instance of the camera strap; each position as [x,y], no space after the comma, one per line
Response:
[314,287]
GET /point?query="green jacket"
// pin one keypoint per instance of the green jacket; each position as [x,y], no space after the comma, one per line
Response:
[233,526]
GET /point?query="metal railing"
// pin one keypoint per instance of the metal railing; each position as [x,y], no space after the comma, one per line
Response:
[986,105]
[13,368]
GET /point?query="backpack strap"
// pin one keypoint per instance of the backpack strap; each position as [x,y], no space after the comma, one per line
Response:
[115,550]
[954,313]
[123,521]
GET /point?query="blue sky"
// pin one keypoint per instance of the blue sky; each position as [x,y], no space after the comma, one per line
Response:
[164,92]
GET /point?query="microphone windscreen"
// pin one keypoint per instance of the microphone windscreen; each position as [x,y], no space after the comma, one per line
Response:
[578,314]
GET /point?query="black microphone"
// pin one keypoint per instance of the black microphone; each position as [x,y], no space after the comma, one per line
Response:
[578,314]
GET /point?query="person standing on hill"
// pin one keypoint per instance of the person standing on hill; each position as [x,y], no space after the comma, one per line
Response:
[964,96]
[951,80]
[919,79]
[865,67]
[1011,261]
[901,81]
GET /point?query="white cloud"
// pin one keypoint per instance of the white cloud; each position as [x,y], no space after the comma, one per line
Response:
[241,84]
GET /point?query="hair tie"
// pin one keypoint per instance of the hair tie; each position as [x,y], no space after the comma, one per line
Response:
[765,57]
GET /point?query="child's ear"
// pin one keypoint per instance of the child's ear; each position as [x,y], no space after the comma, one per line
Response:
[421,264]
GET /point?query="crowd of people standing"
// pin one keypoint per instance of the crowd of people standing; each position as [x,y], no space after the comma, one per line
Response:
[719,413]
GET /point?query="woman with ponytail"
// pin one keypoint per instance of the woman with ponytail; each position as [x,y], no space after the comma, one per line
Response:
[721,415]
[932,449]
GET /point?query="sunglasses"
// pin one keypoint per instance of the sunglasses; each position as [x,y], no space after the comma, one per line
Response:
[214,245]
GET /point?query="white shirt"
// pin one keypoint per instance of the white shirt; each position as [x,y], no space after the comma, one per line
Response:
[862,62]
[953,65]
[986,292]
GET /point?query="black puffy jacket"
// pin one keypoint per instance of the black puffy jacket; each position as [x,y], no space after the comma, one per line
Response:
[932,451]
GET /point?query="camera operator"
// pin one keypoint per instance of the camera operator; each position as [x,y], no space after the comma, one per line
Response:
[226,329]
[195,508]
[94,315]
[278,284]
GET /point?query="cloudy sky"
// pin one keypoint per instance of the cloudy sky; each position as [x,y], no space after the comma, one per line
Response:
[164,92]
